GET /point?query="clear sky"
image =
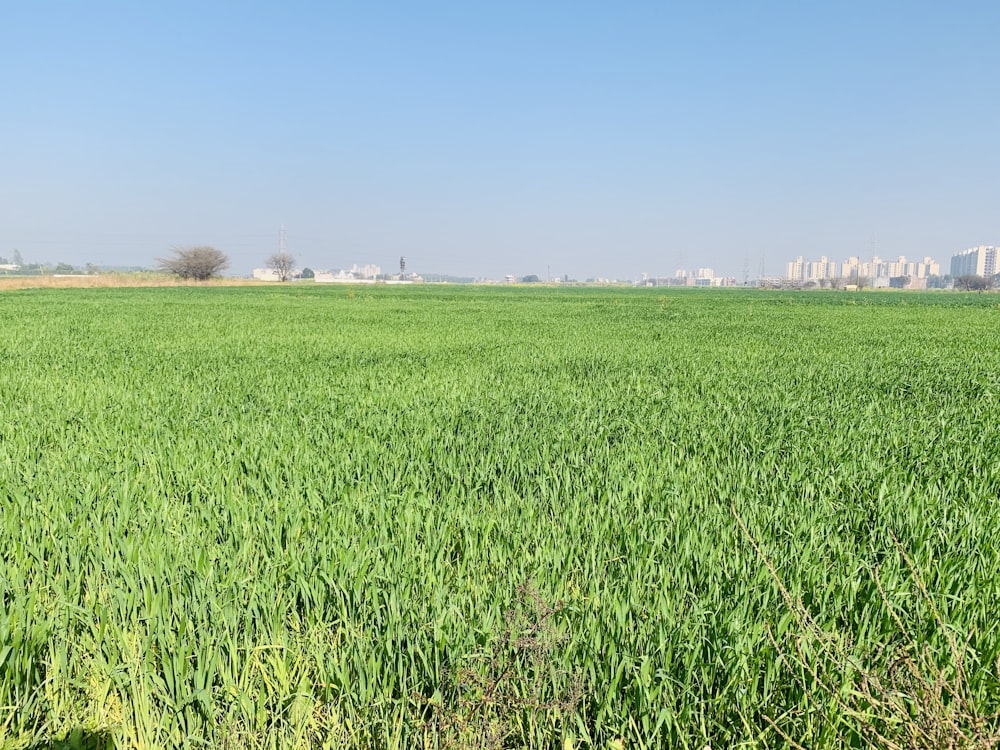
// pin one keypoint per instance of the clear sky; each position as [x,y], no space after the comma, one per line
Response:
[486,138]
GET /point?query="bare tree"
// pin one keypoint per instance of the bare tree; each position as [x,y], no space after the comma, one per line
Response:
[899,282]
[964,282]
[282,264]
[199,263]
[971,283]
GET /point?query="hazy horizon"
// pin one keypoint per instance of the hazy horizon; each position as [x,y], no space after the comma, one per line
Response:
[571,138]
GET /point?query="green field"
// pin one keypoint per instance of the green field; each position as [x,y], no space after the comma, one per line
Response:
[449,517]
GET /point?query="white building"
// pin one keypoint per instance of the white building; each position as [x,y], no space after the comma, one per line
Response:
[811,270]
[697,277]
[341,277]
[795,270]
[976,261]
[366,274]
[875,270]
[821,269]
[266,274]
[367,271]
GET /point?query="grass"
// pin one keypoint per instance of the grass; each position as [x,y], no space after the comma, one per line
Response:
[294,516]
[112,280]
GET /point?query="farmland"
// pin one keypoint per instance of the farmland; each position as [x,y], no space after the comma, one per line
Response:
[429,517]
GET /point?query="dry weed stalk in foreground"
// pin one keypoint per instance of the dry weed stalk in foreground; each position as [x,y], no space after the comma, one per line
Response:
[899,697]
[502,692]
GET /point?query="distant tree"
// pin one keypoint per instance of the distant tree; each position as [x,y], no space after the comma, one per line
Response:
[899,282]
[17,260]
[971,283]
[307,273]
[937,281]
[836,282]
[64,268]
[530,279]
[91,268]
[198,263]
[282,264]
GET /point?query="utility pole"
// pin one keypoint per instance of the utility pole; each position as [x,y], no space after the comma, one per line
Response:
[873,250]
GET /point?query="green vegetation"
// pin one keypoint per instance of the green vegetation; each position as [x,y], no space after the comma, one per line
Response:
[431,517]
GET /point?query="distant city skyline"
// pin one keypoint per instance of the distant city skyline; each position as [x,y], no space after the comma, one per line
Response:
[579,139]
[983,260]
[961,268]
[873,267]
[801,268]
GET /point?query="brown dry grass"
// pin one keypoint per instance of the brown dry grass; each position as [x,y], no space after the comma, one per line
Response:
[900,695]
[498,696]
[109,280]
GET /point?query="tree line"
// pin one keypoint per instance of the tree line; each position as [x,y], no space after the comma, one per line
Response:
[205,262]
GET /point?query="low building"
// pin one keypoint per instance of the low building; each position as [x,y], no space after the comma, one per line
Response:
[341,277]
[266,274]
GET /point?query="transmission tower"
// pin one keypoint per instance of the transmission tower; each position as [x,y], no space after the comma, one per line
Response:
[873,252]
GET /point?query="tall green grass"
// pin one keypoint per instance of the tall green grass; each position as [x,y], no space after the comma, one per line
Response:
[295,517]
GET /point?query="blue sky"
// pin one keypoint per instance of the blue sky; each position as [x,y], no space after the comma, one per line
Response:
[585,138]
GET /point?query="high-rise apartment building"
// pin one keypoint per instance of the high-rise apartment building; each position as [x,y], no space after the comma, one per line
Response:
[795,270]
[854,267]
[976,261]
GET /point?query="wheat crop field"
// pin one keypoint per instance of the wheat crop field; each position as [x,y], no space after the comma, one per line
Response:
[462,517]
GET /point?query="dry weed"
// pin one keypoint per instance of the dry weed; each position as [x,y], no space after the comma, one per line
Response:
[901,695]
